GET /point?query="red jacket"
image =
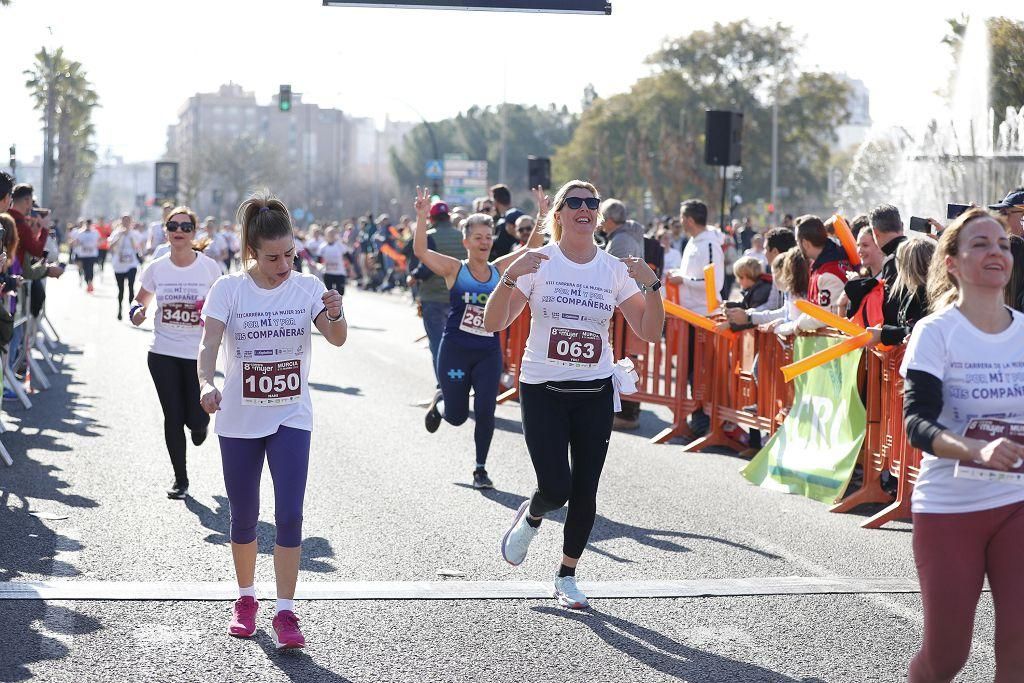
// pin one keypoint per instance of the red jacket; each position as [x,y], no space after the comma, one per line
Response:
[26,240]
[828,275]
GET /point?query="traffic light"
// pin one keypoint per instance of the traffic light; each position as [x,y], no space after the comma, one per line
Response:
[284,98]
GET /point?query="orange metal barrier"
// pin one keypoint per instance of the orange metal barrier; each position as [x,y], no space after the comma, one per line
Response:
[513,345]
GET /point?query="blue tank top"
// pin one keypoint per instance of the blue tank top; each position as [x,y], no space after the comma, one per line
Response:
[468,296]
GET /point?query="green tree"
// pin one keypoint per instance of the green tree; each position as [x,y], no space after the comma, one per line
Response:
[1006,72]
[477,134]
[652,138]
[62,92]
[241,165]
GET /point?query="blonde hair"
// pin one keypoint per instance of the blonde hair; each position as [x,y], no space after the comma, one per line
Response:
[748,267]
[551,224]
[791,272]
[262,217]
[943,289]
[913,258]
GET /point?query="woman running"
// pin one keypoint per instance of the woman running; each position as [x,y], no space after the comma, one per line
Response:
[963,369]
[566,388]
[126,244]
[180,281]
[86,243]
[469,357]
[333,254]
[262,314]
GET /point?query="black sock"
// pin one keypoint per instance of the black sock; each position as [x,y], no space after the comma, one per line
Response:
[566,571]
[533,522]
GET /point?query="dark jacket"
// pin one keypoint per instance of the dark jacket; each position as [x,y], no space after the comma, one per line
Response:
[753,297]
[902,312]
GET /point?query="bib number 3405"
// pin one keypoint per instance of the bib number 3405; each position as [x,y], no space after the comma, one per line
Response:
[574,348]
[271,384]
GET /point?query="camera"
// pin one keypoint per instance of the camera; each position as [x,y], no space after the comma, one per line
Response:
[954,210]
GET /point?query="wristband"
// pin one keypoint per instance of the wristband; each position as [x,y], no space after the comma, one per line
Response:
[133,309]
[341,316]
[508,282]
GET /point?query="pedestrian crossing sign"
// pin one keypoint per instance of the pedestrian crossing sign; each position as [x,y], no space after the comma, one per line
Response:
[434,169]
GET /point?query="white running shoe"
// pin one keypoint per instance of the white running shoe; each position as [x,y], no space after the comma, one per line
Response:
[568,594]
[516,540]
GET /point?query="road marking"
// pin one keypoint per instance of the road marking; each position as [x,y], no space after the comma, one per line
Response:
[460,590]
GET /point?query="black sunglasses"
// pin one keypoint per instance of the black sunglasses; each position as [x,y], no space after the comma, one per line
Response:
[576,202]
[184,226]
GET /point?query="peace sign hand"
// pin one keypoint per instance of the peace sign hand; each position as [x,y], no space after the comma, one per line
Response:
[422,203]
[542,200]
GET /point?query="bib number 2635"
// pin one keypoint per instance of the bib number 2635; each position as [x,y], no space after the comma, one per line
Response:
[271,384]
[574,348]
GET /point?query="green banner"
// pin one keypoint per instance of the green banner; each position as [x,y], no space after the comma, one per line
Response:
[815,450]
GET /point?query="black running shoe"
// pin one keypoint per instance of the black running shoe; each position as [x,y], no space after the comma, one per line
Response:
[432,420]
[178,490]
[481,480]
[198,436]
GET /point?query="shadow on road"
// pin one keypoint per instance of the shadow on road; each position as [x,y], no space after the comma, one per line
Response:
[297,665]
[607,530]
[668,656]
[331,389]
[32,630]
[314,548]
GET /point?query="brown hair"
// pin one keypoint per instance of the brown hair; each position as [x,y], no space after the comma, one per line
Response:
[262,217]
[913,259]
[812,229]
[943,289]
[551,224]
[791,271]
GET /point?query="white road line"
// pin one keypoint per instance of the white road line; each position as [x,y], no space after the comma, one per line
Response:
[459,590]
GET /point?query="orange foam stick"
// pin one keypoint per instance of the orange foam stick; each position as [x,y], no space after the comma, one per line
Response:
[845,236]
[794,370]
[831,319]
[696,319]
[709,287]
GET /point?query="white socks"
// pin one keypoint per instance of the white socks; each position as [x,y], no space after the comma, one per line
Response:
[250,591]
[283,605]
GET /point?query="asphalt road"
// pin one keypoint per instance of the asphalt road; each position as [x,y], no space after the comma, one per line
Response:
[387,501]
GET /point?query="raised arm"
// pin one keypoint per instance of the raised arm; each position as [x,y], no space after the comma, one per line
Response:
[445,266]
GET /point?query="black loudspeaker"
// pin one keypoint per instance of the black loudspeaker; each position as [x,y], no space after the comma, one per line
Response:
[539,169]
[722,142]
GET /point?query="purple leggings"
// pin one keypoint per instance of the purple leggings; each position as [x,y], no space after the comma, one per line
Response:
[287,454]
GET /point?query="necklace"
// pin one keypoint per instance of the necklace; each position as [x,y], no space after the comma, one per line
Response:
[577,258]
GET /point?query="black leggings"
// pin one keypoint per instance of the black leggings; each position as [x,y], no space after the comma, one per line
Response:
[335,282]
[121,277]
[574,419]
[177,385]
[88,264]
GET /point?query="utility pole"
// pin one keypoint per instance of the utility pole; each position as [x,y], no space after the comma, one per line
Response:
[775,147]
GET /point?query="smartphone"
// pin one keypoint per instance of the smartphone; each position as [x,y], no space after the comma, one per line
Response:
[40,212]
[920,225]
[954,210]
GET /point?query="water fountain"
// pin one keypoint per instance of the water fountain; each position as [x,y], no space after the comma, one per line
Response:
[959,157]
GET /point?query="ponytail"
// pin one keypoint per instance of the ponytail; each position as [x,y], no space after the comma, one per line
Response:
[262,217]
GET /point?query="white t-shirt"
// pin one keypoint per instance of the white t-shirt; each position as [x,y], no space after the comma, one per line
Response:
[982,376]
[704,249]
[179,294]
[571,305]
[126,251]
[162,250]
[157,236]
[314,245]
[88,242]
[267,353]
[333,256]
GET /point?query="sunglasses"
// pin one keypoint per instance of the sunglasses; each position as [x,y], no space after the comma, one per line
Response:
[184,226]
[576,202]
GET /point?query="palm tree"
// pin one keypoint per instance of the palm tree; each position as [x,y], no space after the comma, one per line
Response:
[62,92]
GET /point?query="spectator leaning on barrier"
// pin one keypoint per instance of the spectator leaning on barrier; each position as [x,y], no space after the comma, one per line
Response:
[792,278]
[863,295]
[777,242]
[828,264]
[896,310]
[31,232]
[962,366]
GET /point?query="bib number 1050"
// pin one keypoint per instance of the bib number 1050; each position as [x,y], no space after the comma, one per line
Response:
[271,384]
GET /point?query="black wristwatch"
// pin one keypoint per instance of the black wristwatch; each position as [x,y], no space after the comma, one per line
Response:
[651,288]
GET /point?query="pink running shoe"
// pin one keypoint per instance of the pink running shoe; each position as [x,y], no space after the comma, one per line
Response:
[287,635]
[243,621]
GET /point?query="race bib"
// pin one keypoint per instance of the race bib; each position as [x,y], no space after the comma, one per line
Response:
[574,348]
[126,258]
[271,384]
[180,314]
[473,321]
